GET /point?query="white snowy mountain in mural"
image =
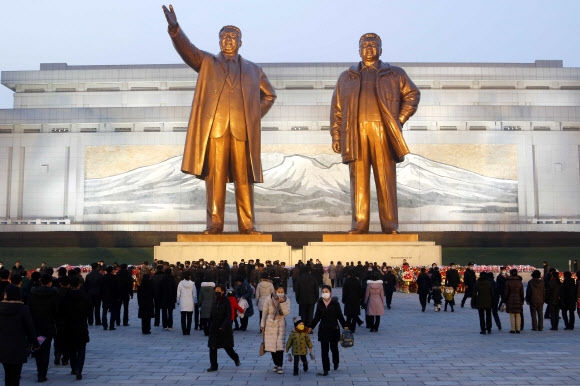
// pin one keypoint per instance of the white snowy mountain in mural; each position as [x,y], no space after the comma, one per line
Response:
[297,187]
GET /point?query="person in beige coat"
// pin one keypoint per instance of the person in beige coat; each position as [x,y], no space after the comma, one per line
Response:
[273,326]
[264,289]
[375,300]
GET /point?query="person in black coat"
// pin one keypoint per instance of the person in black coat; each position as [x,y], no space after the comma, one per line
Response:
[59,346]
[482,298]
[351,297]
[436,294]
[318,272]
[125,293]
[423,288]
[329,314]
[110,298]
[496,297]
[75,307]
[93,289]
[547,276]
[145,301]
[553,292]
[469,280]
[43,304]
[389,282]
[220,329]
[168,297]
[16,332]
[568,300]
[156,281]
[306,291]
[501,280]
[4,281]
[452,277]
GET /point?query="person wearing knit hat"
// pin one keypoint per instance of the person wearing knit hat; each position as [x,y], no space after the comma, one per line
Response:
[299,341]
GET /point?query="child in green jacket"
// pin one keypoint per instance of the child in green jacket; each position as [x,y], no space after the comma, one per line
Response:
[300,342]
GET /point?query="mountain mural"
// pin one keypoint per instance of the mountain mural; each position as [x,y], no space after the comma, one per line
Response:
[300,188]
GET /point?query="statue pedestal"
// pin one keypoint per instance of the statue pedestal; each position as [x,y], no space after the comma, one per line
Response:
[224,237]
[370,237]
[379,248]
[224,247]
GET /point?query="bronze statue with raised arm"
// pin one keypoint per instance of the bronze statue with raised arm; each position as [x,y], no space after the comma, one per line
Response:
[371,102]
[223,135]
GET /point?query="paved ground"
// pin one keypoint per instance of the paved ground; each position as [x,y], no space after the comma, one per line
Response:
[411,348]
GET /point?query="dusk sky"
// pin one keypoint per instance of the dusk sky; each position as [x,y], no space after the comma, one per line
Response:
[135,31]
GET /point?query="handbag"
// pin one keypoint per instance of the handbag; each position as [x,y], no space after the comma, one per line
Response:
[347,339]
[262,347]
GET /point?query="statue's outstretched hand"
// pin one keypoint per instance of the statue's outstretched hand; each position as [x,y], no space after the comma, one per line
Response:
[170,16]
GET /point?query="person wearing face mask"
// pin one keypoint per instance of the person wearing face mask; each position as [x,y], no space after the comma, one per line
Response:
[329,314]
[273,325]
[220,329]
[300,342]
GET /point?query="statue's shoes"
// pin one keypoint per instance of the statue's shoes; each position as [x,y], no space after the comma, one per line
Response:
[355,231]
[212,231]
[251,231]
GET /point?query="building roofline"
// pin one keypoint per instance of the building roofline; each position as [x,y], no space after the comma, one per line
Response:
[535,64]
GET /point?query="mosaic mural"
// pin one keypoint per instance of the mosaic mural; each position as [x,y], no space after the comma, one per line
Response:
[457,183]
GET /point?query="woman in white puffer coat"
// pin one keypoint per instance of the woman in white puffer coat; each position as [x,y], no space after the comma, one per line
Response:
[273,325]
[186,299]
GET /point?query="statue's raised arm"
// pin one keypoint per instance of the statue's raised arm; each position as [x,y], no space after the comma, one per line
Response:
[170,16]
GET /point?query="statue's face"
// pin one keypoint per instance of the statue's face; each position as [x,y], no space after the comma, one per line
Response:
[230,41]
[370,50]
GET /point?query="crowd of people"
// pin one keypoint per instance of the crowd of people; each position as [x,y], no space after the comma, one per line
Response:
[39,309]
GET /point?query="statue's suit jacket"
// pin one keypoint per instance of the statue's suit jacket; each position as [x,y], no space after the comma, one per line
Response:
[258,97]
[398,99]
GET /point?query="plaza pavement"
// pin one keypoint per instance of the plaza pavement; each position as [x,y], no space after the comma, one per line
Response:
[411,348]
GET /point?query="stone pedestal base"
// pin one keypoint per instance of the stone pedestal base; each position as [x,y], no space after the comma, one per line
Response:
[416,253]
[222,250]
[224,237]
[370,237]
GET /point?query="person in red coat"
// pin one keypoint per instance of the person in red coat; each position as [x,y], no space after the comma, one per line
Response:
[234,304]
